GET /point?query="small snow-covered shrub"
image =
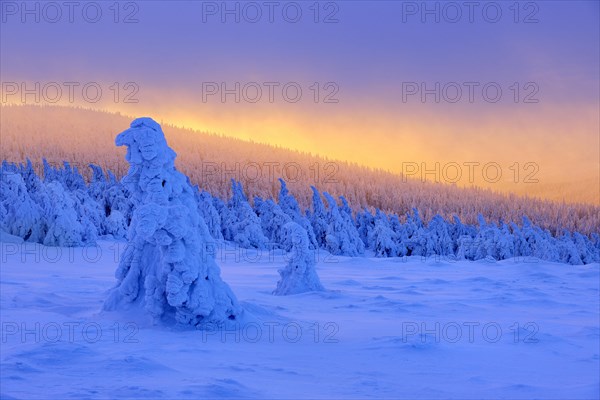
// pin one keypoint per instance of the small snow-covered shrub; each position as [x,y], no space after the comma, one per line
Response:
[300,274]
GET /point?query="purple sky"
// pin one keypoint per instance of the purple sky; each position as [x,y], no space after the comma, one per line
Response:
[370,51]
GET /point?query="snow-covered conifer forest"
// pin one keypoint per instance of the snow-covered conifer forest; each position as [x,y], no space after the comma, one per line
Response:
[211,161]
[62,207]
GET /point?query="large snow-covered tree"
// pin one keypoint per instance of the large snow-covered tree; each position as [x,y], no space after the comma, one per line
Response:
[165,267]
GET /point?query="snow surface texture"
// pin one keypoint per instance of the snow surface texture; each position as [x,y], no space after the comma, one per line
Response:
[166,267]
[363,338]
[299,275]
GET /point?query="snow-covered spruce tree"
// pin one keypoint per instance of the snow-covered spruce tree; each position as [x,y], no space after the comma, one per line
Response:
[89,214]
[355,243]
[537,242]
[492,241]
[64,228]
[289,205]
[113,203]
[71,178]
[20,215]
[505,245]
[548,249]
[568,250]
[165,267]
[68,176]
[400,236]
[318,218]
[595,242]
[50,172]
[333,242]
[300,274]
[463,237]
[484,243]
[118,210]
[415,228]
[32,181]
[342,237]
[241,224]
[97,186]
[457,229]
[209,213]
[116,224]
[272,219]
[224,212]
[522,248]
[365,223]
[438,240]
[587,252]
[381,237]
[531,236]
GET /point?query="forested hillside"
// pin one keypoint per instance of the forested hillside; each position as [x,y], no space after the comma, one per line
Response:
[82,136]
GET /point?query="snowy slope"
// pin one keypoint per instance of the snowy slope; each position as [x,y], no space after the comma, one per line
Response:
[361,338]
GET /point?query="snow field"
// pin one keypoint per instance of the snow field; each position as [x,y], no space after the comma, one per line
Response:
[384,327]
